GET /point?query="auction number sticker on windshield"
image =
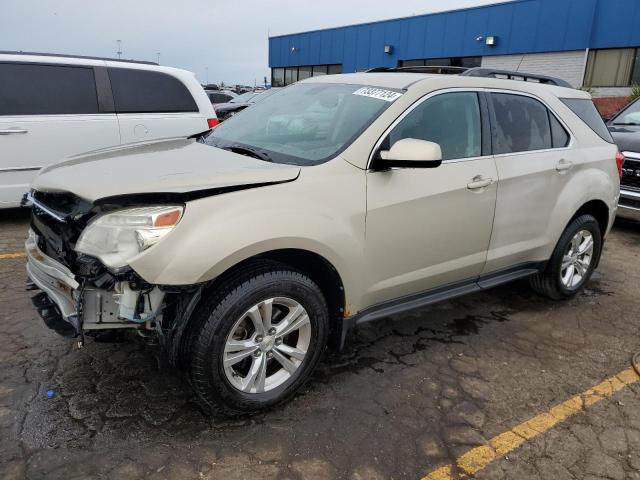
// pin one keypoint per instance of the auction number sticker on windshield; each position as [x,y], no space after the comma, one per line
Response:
[379,93]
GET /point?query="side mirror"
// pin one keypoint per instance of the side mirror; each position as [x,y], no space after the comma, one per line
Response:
[410,153]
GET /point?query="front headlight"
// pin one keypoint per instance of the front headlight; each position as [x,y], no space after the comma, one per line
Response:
[115,238]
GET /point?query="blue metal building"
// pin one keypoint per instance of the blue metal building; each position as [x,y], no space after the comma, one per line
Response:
[501,35]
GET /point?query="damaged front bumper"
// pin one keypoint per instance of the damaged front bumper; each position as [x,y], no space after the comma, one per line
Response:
[57,283]
[71,307]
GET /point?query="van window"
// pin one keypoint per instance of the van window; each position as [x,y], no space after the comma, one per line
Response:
[143,91]
[451,120]
[586,110]
[33,89]
[521,124]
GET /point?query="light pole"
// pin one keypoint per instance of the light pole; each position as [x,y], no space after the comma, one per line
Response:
[206,71]
[158,56]
[119,48]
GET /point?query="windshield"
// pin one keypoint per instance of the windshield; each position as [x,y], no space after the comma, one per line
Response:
[630,115]
[244,98]
[306,123]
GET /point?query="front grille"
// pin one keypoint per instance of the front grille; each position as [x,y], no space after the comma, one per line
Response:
[631,175]
[630,202]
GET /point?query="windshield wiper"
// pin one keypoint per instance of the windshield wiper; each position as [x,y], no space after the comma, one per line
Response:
[250,152]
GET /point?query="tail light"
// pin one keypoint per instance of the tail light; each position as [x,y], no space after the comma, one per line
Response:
[619,162]
[213,122]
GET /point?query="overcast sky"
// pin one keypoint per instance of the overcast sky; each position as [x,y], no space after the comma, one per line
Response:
[228,37]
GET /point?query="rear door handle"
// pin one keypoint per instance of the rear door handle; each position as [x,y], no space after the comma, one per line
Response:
[563,165]
[9,131]
[478,182]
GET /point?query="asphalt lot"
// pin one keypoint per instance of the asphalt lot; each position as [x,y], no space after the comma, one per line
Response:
[407,397]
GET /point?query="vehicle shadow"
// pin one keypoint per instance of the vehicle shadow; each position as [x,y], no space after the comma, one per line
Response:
[114,392]
[14,214]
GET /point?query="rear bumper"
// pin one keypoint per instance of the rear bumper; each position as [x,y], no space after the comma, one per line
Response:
[53,278]
[629,205]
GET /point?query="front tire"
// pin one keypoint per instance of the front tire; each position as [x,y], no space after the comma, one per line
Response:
[573,261]
[256,340]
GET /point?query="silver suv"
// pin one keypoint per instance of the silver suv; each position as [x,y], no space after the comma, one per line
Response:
[336,201]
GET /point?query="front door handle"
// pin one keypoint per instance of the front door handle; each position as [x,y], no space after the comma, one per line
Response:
[563,165]
[9,131]
[479,182]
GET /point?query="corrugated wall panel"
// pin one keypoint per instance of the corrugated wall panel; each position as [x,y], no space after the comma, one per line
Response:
[578,25]
[617,24]
[455,37]
[476,22]
[522,26]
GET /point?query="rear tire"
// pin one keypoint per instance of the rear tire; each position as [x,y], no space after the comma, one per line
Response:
[246,318]
[573,261]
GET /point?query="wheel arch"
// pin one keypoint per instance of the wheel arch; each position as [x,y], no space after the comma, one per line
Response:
[599,210]
[318,268]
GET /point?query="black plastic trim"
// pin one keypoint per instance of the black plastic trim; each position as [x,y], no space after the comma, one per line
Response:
[485,123]
[513,75]
[446,292]
[380,164]
[509,274]
[103,90]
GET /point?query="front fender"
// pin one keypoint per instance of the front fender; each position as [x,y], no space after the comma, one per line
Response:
[219,232]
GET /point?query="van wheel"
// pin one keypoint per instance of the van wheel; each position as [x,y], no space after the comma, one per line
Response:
[573,260]
[256,340]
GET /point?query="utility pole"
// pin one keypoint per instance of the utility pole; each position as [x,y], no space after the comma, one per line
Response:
[158,55]
[119,48]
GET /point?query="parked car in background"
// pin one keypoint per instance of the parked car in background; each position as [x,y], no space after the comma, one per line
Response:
[342,199]
[625,129]
[54,106]
[235,105]
[220,96]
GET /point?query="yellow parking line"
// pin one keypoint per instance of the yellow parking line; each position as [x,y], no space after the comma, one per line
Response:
[6,256]
[478,458]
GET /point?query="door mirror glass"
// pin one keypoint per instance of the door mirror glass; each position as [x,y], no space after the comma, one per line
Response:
[412,153]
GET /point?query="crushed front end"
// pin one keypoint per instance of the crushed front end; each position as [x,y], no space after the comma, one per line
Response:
[77,256]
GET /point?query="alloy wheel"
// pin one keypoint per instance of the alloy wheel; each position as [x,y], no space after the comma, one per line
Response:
[267,345]
[577,259]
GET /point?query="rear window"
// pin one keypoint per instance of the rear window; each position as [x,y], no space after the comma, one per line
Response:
[143,91]
[32,89]
[219,97]
[586,110]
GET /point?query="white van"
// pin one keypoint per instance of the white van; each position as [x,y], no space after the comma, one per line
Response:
[54,106]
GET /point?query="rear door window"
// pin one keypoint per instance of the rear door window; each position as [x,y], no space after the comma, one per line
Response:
[586,110]
[521,124]
[143,91]
[35,89]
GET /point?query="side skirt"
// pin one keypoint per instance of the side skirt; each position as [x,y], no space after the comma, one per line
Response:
[447,292]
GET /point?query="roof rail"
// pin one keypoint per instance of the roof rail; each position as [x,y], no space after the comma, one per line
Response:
[83,57]
[512,75]
[438,69]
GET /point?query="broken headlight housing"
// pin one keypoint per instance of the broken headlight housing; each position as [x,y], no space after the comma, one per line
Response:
[116,238]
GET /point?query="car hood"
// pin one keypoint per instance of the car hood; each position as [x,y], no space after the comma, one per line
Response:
[626,140]
[177,166]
